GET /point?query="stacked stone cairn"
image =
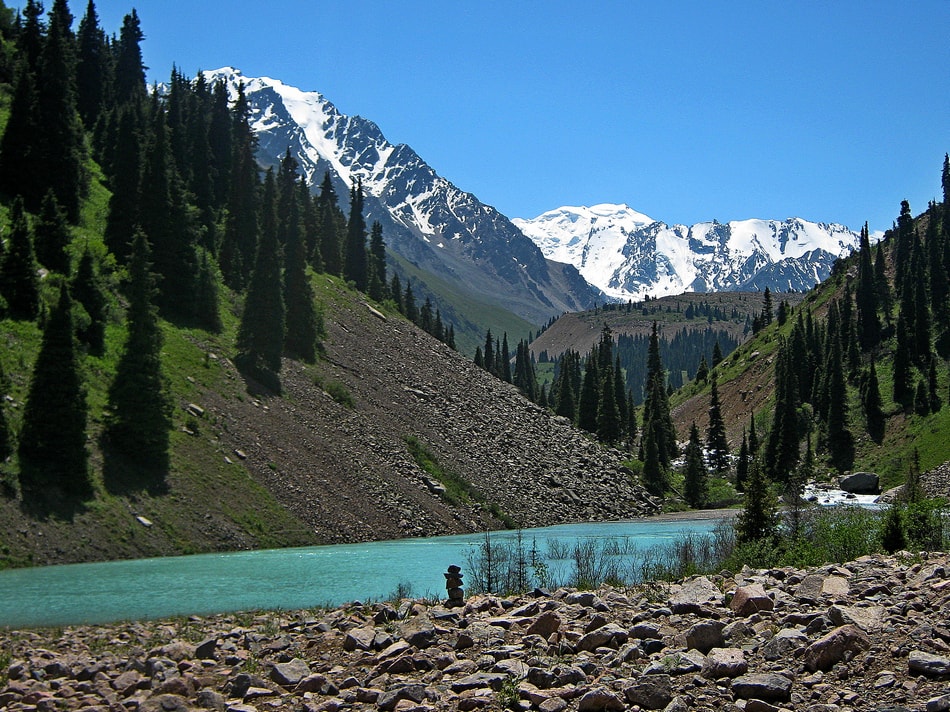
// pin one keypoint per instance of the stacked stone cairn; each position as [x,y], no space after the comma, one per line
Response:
[453,586]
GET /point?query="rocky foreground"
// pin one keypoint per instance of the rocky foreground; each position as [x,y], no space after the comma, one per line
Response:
[868,635]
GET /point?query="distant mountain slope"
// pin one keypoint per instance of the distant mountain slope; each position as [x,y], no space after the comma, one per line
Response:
[467,246]
[630,255]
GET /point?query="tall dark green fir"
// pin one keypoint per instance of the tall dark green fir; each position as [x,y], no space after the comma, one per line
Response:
[54,462]
[19,284]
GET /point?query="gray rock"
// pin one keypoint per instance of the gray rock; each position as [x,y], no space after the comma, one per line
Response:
[925,663]
[694,595]
[605,636]
[705,635]
[939,704]
[359,639]
[867,618]
[211,700]
[545,625]
[390,698]
[205,649]
[784,644]
[762,686]
[600,699]
[164,703]
[725,662]
[653,692]
[493,680]
[832,648]
[860,483]
[291,673]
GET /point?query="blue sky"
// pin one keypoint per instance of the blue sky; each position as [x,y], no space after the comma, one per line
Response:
[686,111]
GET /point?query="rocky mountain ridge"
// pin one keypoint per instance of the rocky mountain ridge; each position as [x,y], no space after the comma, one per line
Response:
[458,245]
[630,255]
[864,635]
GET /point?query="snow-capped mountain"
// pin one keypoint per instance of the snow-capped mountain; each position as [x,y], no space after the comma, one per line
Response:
[463,251]
[630,255]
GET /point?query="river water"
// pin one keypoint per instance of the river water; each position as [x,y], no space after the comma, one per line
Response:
[287,578]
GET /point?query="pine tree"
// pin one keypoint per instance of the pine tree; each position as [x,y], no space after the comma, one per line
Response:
[882,286]
[18,153]
[328,211]
[263,322]
[412,311]
[125,181]
[695,477]
[874,418]
[129,69]
[869,326]
[51,236]
[609,428]
[60,148]
[93,68]
[239,245]
[781,453]
[902,392]
[504,365]
[377,264]
[356,265]
[589,399]
[903,245]
[758,520]
[87,290]
[716,354]
[139,421]
[716,442]
[742,464]
[840,440]
[489,352]
[767,313]
[656,409]
[654,474]
[395,290]
[303,322]
[52,444]
[207,309]
[19,284]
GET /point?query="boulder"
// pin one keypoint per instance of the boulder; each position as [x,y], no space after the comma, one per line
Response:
[653,692]
[860,483]
[291,673]
[924,663]
[725,662]
[600,699]
[705,635]
[762,686]
[545,625]
[832,648]
[750,599]
[694,595]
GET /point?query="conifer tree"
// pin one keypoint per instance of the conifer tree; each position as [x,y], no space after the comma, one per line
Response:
[742,463]
[767,313]
[87,290]
[716,354]
[525,377]
[125,181]
[263,322]
[566,403]
[207,309]
[489,352]
[239,245]
[219,144]
[695,477]
[589,396]
[51,236]
[328,211]
[758,520]
[881,285]
[377,265]
[18,168]
[609,428]
[93,68]
[753,438]
[356,265]
[781,453]
[140,409]
[656,409]
[873,411]
[19,284]
[504,365]
[30,36]
[869,326]
[427,317]
[129,84]
[654,473]
[412,311]
[163,216]
[903,245]
[716,442]
[60,147]
[52,444]
[395,291]
[303,323]
[840,441]
[902,392]
[620,397]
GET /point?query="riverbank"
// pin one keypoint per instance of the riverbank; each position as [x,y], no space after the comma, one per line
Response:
[865,635]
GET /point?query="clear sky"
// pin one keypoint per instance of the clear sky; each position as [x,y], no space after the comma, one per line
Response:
[685,110]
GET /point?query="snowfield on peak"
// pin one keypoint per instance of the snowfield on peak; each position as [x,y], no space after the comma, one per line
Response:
[629,255]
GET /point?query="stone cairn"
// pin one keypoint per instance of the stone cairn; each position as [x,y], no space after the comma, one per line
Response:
[453,585]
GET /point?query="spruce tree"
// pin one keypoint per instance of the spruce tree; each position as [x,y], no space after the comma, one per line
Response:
[88,290]
[869,326]
[874,418]
[609,429]
[125,181]
[758,520]
[589,397]
[356,264]
[840,440]
[903,245]
[781,454]
[654,473]
[52,444]
[92,68]
[19,284]
[303,324]
[767,313]
[239,245]
[656,408]
[489,351]
[139,419]
[742,463]
[377,265]
[881,284]
[504,362]
[18,152]
[207,309]
[716,442]
[329,219]
[263,322]
[129,83]
[695,477]
[51,236]
[60,147]
[902,392]
[412,311]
